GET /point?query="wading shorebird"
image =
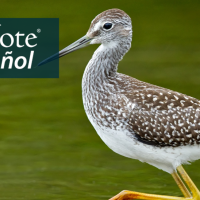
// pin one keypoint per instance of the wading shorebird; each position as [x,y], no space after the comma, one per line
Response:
[136,119]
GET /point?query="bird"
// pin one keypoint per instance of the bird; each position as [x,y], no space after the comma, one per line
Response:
[136,119]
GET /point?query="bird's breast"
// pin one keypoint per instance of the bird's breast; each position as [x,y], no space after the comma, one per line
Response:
[103,106]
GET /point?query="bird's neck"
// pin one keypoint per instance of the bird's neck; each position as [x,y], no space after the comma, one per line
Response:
[104,62]
[100,69]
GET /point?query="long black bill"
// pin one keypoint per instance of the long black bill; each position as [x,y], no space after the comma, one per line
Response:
[82,42]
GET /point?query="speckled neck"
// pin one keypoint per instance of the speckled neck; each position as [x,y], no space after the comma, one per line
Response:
[97,75]
[104,62]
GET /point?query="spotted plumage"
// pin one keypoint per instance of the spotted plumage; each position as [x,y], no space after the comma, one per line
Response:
[164,118]
[154,115]
[135,119]
[122,108]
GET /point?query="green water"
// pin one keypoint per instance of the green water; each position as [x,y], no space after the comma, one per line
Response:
[48,148]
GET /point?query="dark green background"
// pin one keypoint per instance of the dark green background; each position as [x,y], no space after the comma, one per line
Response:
[48,148]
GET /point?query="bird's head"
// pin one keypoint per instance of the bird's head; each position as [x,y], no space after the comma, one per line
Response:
[110,27]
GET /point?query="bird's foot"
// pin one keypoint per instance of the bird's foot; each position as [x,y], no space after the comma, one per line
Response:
[126,195]
[193,189]
[193,194]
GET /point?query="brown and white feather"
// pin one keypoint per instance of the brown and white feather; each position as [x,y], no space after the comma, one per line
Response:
[136,119]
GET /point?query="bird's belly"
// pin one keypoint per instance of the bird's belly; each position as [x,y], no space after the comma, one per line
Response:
[120,140]
[165,158]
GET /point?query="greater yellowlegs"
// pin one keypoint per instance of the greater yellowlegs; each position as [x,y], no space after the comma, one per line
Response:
[136,119]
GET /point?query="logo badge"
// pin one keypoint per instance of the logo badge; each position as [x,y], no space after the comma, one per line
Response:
[24,42]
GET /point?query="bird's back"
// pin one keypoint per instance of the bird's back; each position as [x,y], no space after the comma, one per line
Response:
[159,116]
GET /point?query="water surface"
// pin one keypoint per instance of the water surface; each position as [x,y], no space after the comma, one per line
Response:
[48,148]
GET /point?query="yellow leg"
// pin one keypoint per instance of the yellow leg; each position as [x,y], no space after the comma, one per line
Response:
[181,185]
[126,195]
[189,182]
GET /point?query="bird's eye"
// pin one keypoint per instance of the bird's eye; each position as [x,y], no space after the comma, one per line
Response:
[107,26]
